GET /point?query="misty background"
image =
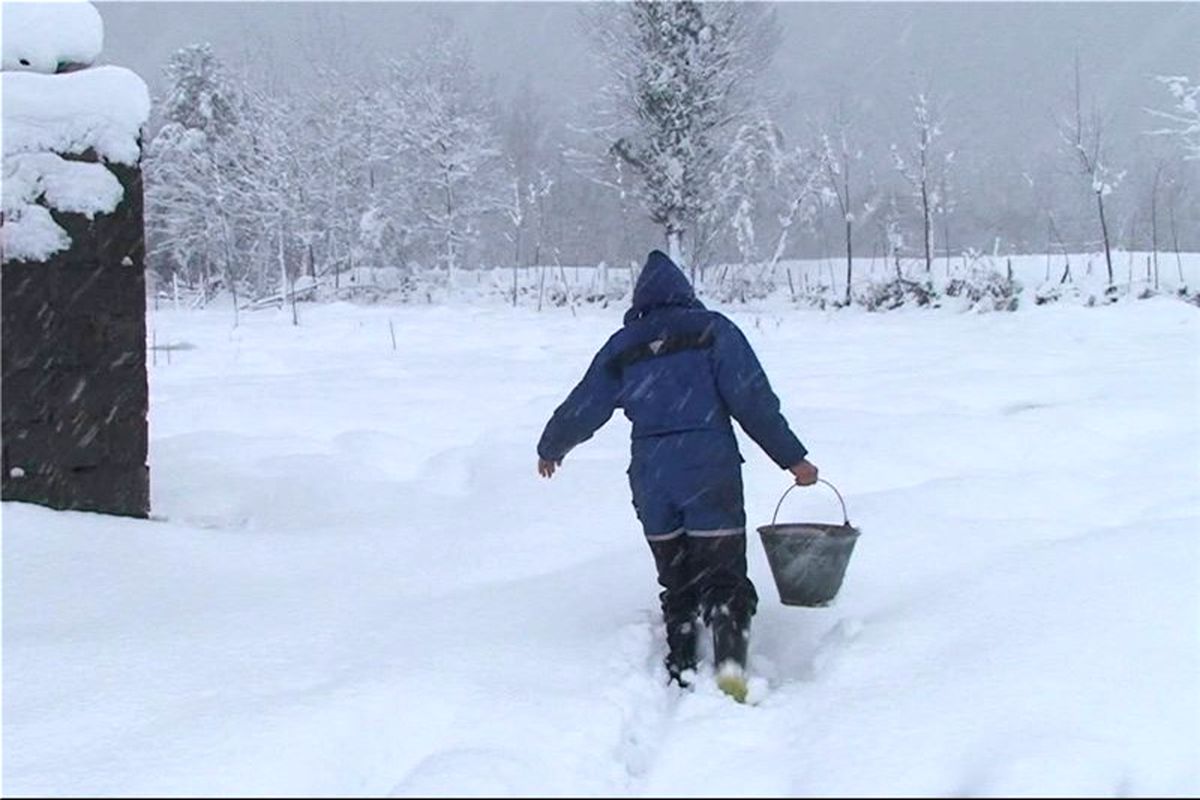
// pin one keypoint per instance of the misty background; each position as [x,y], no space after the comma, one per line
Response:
[1002,74]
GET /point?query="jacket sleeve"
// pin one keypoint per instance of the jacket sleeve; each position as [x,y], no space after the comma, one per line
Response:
[586,409]
[743,386]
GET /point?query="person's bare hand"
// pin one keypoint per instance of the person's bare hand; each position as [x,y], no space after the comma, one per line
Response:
[547,467]
[806,473]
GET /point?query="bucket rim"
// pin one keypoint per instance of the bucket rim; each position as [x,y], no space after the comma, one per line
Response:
[812,529]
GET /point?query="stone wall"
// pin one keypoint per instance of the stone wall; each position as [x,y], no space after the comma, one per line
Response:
[74,389]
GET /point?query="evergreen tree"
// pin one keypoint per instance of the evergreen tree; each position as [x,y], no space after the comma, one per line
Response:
[682,78]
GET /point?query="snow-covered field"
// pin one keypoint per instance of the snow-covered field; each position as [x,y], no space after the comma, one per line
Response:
[356,584]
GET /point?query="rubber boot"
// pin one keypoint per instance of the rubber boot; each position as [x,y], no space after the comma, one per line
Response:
[731,641]
[681,645]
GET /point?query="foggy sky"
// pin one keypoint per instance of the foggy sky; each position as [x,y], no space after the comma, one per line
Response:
[1003,68]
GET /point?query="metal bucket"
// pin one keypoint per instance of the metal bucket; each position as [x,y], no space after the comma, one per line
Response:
[808,559]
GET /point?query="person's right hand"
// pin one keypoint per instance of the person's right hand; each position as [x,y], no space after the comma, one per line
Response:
[806,473]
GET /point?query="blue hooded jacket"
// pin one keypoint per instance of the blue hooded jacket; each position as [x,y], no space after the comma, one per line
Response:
[675,368]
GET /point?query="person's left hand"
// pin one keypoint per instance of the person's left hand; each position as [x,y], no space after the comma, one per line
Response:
[547,467]
[806,473]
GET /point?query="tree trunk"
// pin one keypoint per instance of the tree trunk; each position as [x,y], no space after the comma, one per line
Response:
[1066,276]
[675,245]
[946,241]
[204,282]
[928,229]
[336,263]
[516,260]
[233,293]
[1104,230]
[1154,226]
[1175,242]
[229,270]
[283,282]
[849,257]
[1048,237]
[450,255]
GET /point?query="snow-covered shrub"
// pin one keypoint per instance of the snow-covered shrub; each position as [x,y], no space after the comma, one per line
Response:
[558,293]
[369,285]
[406,284]
[604,286]
[1111,294]
[820,296]
[738,285]
[1071,292]
[984,289]
[615,294]
[895,293]
[1049,293]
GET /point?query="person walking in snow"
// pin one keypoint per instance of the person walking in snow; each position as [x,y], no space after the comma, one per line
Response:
[680,372]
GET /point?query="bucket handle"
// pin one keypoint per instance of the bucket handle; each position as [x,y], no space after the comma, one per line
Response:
[845,517]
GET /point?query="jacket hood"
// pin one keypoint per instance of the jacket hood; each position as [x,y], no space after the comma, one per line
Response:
[660,285]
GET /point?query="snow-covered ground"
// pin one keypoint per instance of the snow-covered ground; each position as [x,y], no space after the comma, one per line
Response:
[356,584]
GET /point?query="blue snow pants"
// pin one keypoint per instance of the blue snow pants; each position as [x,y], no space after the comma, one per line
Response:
[687,491]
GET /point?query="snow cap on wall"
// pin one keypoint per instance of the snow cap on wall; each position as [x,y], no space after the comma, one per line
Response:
[47,116]
[45,37]
[103,109]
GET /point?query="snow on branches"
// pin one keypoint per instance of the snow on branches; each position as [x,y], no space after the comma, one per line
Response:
[1083,136]
[682,77]
[448,145]
[322,184]
[1184,118]
[923,169]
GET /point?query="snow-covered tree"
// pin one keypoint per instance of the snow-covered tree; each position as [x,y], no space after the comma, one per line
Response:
[448,145]
[1084,141]
[377,192]
[242,182]
[200,95]
[799,179]
[681,78]
[276,182]
[523,132]
[886,212]
[537,196]
[188,165]
[342,213]
[924,167]
[754,159]
[838,156]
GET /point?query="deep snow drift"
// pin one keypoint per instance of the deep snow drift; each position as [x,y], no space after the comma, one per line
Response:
[358,585]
